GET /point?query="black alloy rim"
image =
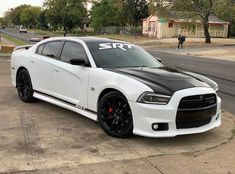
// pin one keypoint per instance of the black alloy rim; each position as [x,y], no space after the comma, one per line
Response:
[116,115]
[23,86]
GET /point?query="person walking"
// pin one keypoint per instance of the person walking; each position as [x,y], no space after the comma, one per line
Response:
[181,40]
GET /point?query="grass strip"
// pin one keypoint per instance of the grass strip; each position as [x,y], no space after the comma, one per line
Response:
[13,39]
[49,33]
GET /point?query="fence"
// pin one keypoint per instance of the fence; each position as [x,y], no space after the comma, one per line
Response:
[213,33]
[120,30]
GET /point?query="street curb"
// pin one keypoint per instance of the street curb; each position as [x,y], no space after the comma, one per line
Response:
[229,44]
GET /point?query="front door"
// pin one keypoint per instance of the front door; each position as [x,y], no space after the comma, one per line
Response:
[71,81]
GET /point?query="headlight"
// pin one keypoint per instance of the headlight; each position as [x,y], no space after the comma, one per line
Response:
[153,98]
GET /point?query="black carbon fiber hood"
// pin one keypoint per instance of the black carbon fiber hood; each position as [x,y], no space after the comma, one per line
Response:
[163,80]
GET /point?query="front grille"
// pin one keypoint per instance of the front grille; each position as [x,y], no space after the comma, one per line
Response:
[195,111]
[197,101]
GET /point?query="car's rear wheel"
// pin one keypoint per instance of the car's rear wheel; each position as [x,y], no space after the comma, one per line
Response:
[114,115]
[24,86]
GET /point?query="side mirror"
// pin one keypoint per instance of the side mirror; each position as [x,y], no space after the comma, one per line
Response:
[158,59]
[76,61]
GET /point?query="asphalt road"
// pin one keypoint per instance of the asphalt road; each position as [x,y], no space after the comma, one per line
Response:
[21,36]
[221,71]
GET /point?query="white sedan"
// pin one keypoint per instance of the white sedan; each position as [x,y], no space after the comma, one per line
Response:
[118,84]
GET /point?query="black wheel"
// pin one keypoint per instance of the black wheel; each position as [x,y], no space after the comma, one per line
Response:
[114,115]
[24,86]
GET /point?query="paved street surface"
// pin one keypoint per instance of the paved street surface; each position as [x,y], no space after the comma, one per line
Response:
[221,52]
[21,36]
[221,71]
[40,138]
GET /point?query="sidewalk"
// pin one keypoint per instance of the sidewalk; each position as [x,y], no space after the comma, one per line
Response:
[214,52]
[173,42]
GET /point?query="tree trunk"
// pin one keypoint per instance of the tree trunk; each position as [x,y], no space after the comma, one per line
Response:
[206,30]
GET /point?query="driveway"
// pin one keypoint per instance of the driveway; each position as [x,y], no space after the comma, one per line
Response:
[41,138]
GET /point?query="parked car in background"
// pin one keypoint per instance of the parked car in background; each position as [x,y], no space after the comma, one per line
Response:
[23,29]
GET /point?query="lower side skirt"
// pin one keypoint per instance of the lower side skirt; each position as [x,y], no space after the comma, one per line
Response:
[50,99]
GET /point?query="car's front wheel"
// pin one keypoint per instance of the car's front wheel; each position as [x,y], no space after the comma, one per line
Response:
[24,86]
[114,115]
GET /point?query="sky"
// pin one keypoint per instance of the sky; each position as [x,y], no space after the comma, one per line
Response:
[8,4]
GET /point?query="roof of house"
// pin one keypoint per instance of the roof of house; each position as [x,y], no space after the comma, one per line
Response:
[186,17]
[215,19]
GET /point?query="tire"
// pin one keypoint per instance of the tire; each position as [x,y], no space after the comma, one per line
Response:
[114,115]
[24,86]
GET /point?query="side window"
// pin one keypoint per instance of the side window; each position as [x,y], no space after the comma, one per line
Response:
[51,49]
[40,48]
[72,50]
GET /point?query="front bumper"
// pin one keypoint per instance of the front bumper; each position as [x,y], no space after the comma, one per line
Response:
[144,115]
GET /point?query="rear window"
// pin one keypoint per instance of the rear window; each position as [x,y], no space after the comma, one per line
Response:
[51,49]
[40,48]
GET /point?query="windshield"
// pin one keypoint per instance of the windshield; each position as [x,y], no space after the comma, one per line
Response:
[120,55]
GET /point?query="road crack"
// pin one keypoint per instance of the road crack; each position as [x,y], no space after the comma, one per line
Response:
[144,159]
[31,138]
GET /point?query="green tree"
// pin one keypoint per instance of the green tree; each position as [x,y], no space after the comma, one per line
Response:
[201,8]
[118,12]
[30,16]
[1,21]
[7,19]
[136,10]
[107,13]
[225,10]
[65,13]
[16,13]
[43,21]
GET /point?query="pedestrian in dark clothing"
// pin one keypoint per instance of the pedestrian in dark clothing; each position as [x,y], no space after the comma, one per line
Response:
[181,40]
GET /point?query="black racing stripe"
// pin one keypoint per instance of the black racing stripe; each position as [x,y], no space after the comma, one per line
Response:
[162,80]
[151,83]
[72,104]
[42,93]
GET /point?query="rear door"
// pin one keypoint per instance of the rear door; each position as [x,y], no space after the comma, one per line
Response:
[42,66]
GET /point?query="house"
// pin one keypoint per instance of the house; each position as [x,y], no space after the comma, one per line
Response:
[154,26]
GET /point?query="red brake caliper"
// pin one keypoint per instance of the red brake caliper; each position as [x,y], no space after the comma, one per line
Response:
[110,111]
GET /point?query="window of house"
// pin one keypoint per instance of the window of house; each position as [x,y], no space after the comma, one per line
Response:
[151,26]
[170,24]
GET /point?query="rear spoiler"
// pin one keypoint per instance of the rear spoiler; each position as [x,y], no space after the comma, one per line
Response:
[25,47]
